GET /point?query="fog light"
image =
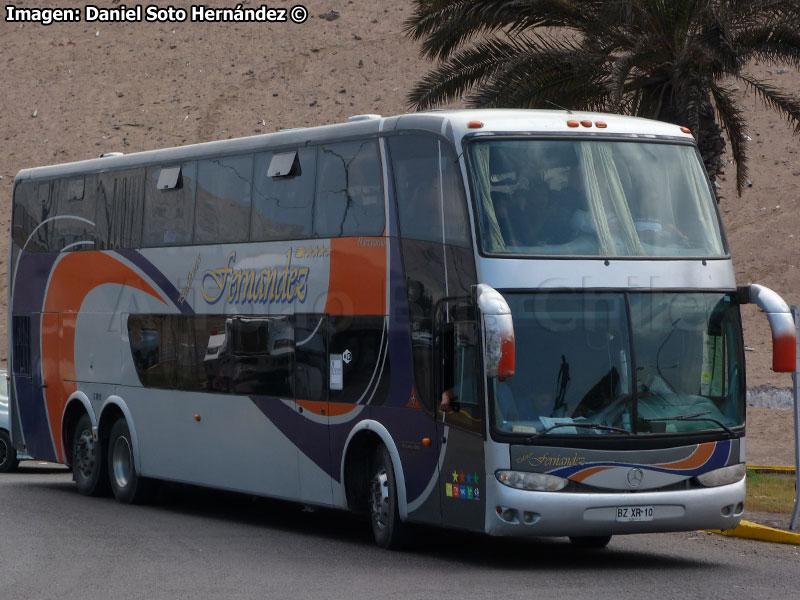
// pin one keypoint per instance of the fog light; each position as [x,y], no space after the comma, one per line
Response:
[509,515]
[530,517]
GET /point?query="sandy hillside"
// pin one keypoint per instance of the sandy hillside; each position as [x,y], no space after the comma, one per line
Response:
[73,90]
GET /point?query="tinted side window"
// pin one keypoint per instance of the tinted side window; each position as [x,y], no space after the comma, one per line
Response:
[223,200]
[169,213]
[260,351]
[34,205]
[119,199]
[357,342]
[26,214]
[75,227]
[283,206]
[154,348]
[428,186]
[311,355]
[234,354]
[349,199]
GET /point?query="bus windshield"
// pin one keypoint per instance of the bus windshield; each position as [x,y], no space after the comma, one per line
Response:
[592,198]
[642,363]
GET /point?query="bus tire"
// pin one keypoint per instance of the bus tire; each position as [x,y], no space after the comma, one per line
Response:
[88,460]
[127,485]
[8,454]
[384,514]
[590,541]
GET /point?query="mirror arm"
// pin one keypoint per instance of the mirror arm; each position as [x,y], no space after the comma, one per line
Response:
[784,342]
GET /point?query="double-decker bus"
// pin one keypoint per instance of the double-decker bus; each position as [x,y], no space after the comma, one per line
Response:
[522,323]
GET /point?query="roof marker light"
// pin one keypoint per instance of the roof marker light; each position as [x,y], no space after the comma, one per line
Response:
[573,124]
[586,123]
[475,124]
[686,130]
[600,124]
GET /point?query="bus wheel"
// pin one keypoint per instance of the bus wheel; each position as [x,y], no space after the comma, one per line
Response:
[128,486]
[88,460]
[8,454]
[382,501]
[590,541]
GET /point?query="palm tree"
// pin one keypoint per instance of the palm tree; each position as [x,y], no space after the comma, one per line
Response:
[672,60]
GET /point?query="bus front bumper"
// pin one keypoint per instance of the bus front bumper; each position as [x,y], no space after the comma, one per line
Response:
[513,512]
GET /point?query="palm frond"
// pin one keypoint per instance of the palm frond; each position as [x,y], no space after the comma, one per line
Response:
[562,76]
[465,70]
[447,24]
[784,104]
[779,43]
[732,120]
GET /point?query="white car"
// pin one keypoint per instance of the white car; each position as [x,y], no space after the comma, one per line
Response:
[8,454]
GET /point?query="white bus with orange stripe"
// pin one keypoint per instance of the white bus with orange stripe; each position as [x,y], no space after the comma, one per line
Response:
[516,322]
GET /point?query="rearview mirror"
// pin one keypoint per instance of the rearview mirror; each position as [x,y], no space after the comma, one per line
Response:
[498,332]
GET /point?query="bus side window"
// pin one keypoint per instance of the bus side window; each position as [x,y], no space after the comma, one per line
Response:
[459,349]
[282,205]
[311,358]
[429,188]
[349,195]
[222,212]
[74,230]
[119,200]
[31,207]
[169,211]
[154,349]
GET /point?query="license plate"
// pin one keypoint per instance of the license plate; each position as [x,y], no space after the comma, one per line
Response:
[634,513]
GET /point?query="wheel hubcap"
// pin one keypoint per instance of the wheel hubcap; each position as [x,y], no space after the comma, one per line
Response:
[84,454]
[121,462]
[379,499]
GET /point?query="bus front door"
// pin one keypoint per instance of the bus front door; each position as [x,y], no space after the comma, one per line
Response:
[460,416]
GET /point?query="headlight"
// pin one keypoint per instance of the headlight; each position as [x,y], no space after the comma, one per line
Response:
[540,482]
[723,476]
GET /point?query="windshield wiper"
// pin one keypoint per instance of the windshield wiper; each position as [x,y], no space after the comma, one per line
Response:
[696,417]
[582,425]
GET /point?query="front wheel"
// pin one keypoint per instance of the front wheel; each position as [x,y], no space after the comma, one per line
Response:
[8,454]
[590,541]
[88,460]
[128,486]
[384,514]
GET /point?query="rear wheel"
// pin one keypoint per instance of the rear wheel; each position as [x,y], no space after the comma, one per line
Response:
[8,454]
[88,460]
[382,500]
[590,541]
[128,486]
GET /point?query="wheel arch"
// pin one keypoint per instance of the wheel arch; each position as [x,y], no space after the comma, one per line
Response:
[115,408]
[360,445]
[77,405]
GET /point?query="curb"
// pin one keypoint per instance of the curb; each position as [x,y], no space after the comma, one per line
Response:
[768,469]
[754,531]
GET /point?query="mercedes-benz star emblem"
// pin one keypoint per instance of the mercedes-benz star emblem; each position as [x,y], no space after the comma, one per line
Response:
[635,477]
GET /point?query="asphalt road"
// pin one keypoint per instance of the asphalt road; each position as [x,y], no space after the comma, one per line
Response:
[200,544]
